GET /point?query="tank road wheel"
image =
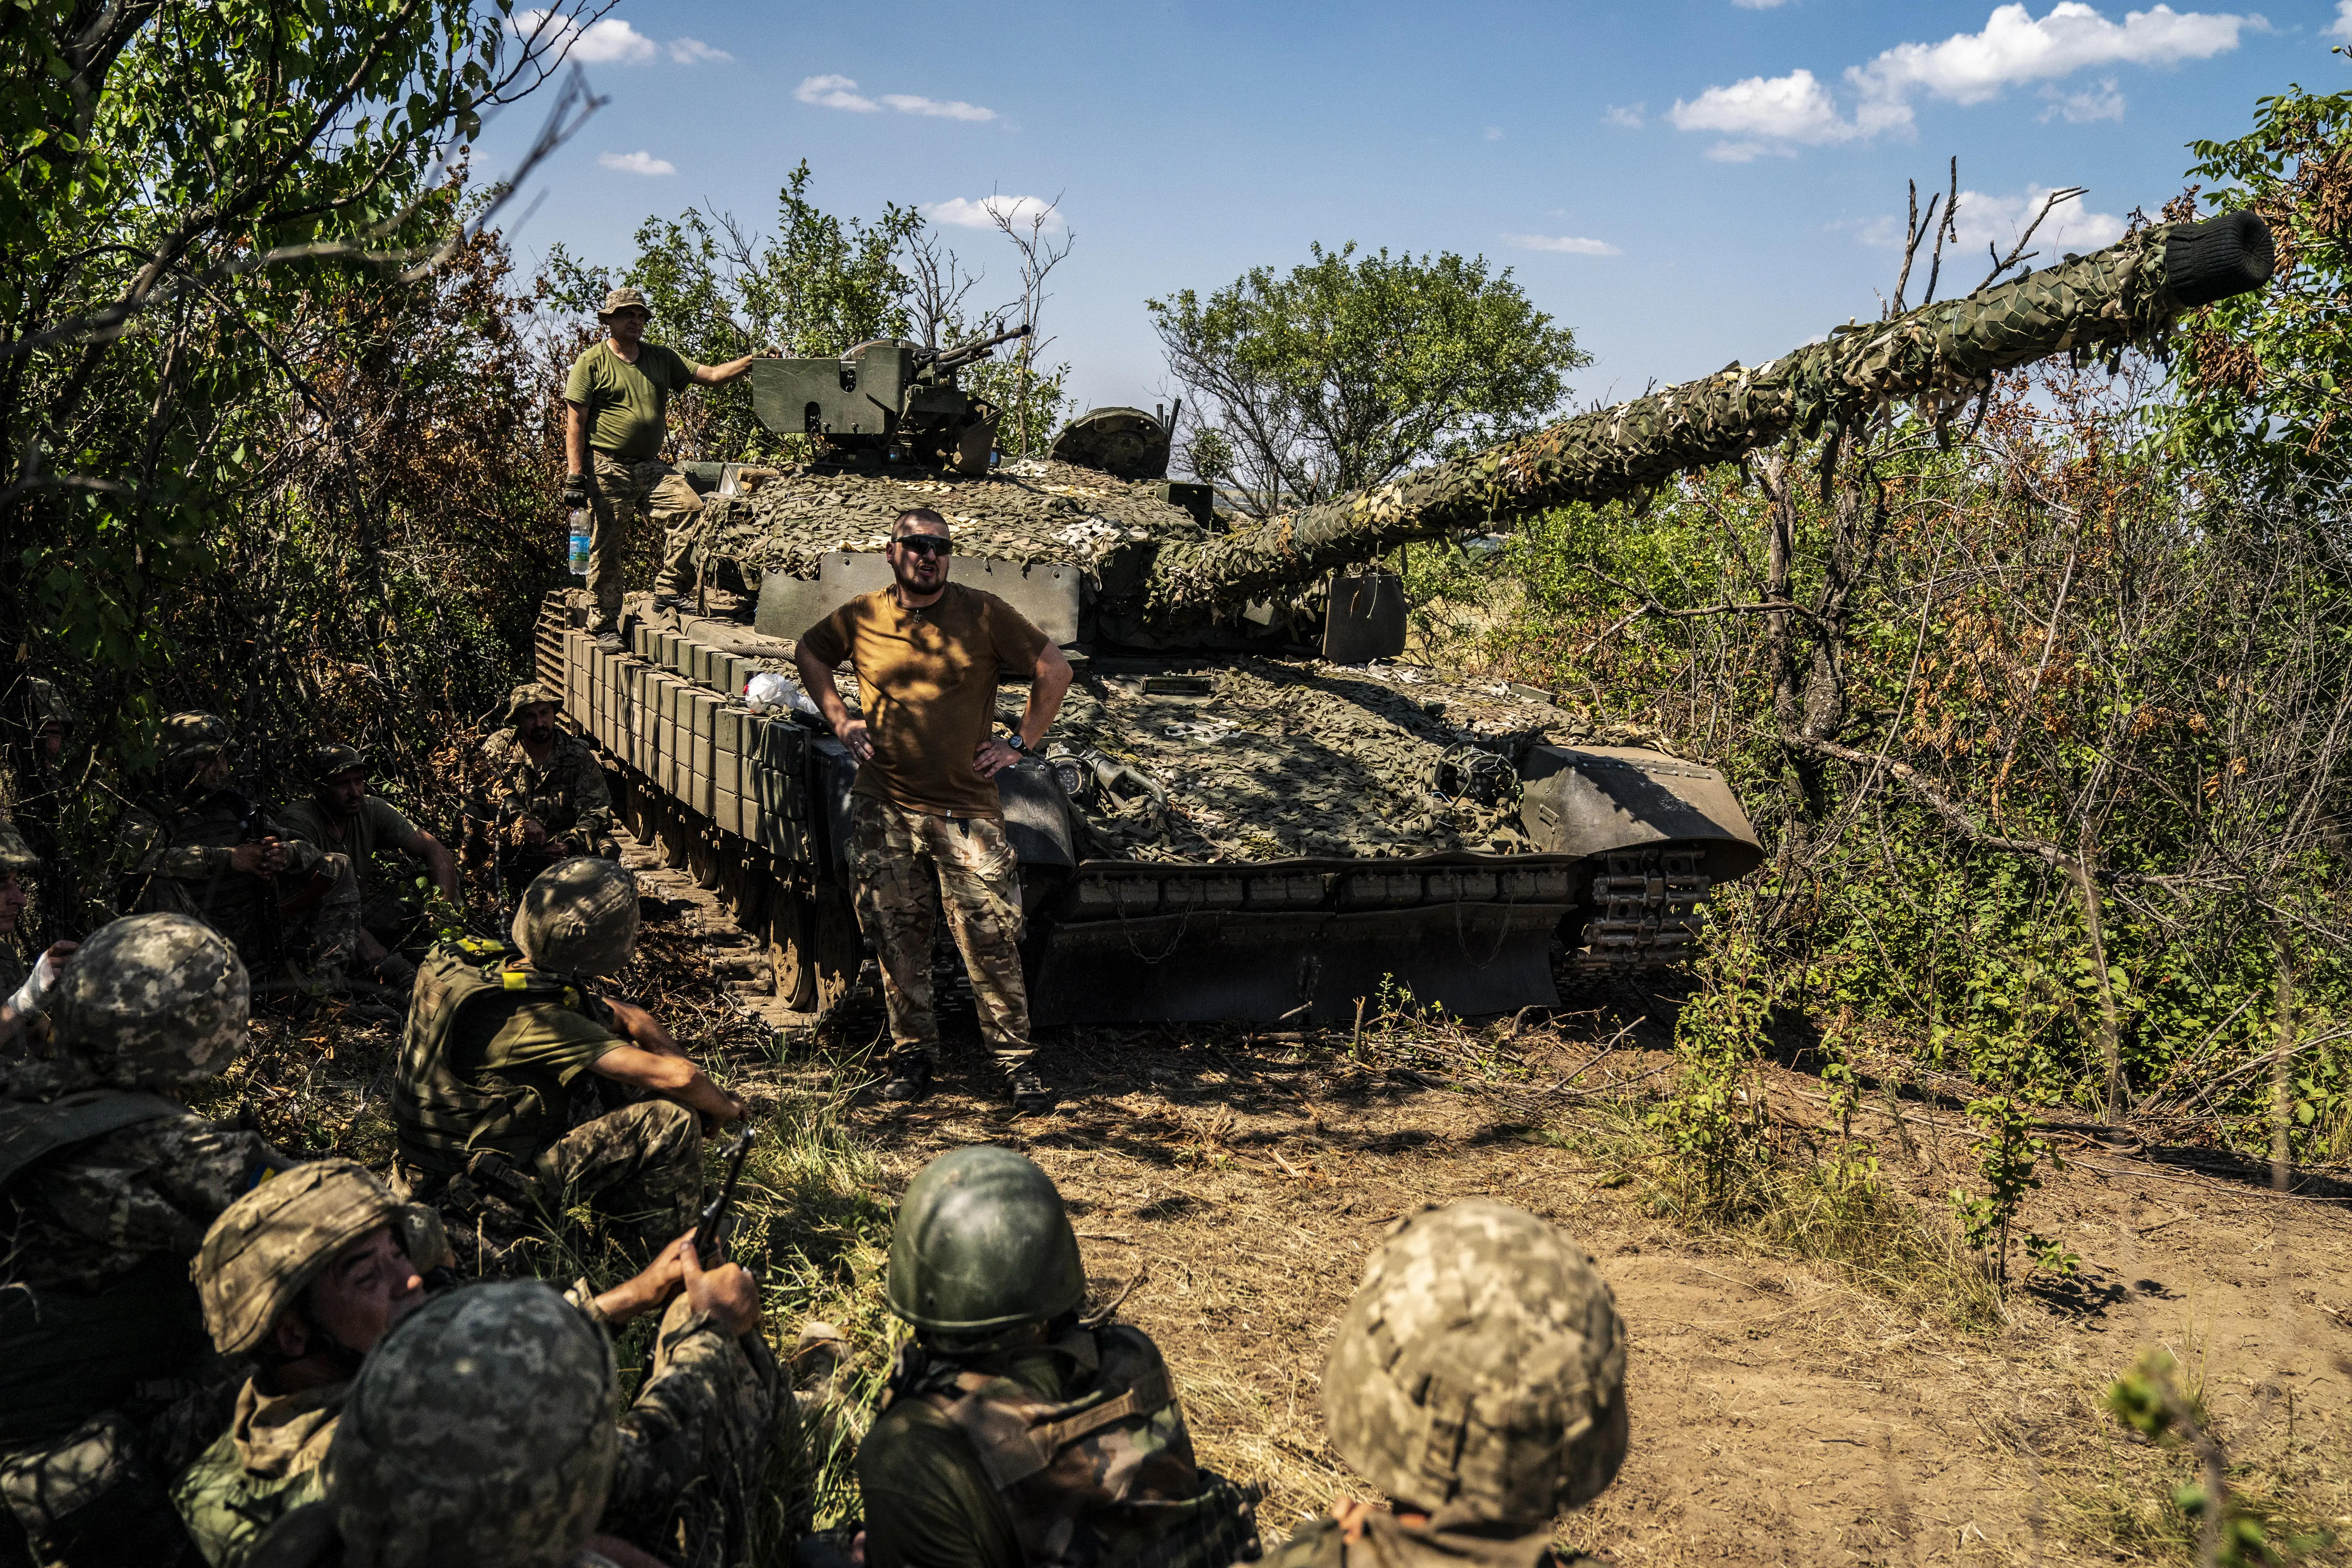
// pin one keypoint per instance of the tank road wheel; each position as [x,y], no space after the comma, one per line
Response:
[838,948]
[702,856]
[790,949]
[740,889]
[676,835]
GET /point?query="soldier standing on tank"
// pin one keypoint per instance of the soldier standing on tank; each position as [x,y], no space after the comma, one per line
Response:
[342,816]
[926,816]
[481,1094]
[615,408]
[194,844]
[536,795]
[1016,1430]
[309,1272]
[1479,1379]
[107,1185]
[23,988]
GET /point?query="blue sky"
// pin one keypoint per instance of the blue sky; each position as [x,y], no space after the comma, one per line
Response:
[1684,183]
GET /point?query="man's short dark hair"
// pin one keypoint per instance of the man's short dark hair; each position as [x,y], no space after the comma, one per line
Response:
[920,514]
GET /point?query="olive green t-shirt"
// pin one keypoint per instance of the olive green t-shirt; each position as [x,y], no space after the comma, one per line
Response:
[380,828]
[509,1053]
[626,403]
[929,682]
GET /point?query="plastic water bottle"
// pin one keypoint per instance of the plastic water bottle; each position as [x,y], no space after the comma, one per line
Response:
[580,542]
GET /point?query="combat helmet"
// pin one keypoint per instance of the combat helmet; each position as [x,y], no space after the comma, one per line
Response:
[331,757]
[529,694]
[16,854]
[478,1434]
[153,1001]
[266,1248]
[579,917]
[982,1243]
[191,740]
[1479,1371]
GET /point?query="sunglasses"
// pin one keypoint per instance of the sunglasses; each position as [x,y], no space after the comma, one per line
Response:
[925,545]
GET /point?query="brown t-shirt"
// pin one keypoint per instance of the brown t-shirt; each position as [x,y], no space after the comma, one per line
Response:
[930,681]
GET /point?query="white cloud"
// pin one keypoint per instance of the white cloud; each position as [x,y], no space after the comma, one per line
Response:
[2341,29]
[1996,220]
[1760,4]
[1633,117]
[695,52]
[1565,244]
[609,42]
[1780,114]
[949,108]
[1493,134]
[833,93]
[962,212]
[637,162]
[841,93]
[2100,102]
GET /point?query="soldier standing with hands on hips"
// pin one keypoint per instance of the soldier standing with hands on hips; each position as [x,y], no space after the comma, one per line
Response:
[616,413]
[928,654]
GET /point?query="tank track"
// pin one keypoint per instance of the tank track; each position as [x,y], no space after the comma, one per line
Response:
[1646,911]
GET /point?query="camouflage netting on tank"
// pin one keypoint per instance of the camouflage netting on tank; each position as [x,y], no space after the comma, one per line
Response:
[1940,354]
[1032,510]
[1318,761]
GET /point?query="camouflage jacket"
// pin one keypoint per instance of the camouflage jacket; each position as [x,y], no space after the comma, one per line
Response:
[91,1215]
[173,856]
[566,796]
[263,1467]
[1387,1541]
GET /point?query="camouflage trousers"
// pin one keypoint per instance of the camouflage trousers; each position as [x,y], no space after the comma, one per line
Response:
[100,1495]
[619,494]
[639,1167]
[696,1445]
[902,861]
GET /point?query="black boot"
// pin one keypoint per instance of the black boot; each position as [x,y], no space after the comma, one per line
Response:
[1031,1096]
[911,1076]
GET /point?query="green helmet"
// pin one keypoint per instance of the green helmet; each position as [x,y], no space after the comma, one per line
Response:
[579,917]
[479,1434]
[982,1243]
[191,740]
[153,1002]
[16,854]
[529,694]
[266,1248]
[1479,1371]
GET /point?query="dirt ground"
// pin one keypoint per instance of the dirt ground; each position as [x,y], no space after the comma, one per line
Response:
[1780,1413]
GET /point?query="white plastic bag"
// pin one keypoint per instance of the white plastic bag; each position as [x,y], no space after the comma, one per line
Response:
[771,693]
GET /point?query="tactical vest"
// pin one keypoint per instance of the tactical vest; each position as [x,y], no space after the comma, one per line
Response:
[64,1355]
[442,1116]
[1104,1480]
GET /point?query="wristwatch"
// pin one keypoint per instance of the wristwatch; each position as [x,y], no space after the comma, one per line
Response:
[1017,743]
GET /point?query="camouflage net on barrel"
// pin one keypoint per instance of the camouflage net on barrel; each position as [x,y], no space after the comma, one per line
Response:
[1940,354]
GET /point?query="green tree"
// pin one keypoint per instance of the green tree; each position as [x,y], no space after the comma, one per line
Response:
[2261,379]
[1348,370]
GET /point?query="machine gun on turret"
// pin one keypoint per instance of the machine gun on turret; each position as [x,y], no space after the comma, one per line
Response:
[964,354]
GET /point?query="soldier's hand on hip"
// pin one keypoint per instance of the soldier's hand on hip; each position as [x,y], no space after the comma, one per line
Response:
[726,1293]
[264,858]
[855,736]
[994,757]
[575,490]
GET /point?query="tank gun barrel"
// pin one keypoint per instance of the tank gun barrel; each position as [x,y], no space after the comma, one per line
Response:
[1943,353]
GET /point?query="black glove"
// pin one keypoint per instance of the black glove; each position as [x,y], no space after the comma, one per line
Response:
[575,490]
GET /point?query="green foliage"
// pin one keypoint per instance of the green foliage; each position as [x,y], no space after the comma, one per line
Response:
[2262,378]
[1714,1120]
[1346,370]
[2147,1401]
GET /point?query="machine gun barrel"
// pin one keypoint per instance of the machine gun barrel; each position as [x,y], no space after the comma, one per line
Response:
[964,354]
[1943,353]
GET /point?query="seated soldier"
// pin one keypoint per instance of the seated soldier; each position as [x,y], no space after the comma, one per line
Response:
[343,817]
[308,1272]
[1015,1431]
[480,1097]
[23,987]
[1479,1379]
[191,844]
[480,1435]
[107,1184]
[536,795]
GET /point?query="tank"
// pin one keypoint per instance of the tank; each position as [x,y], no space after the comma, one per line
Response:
[1247,810]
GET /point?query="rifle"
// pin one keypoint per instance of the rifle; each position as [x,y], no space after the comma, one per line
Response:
[712,1229]
[252,828]
[964,354]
